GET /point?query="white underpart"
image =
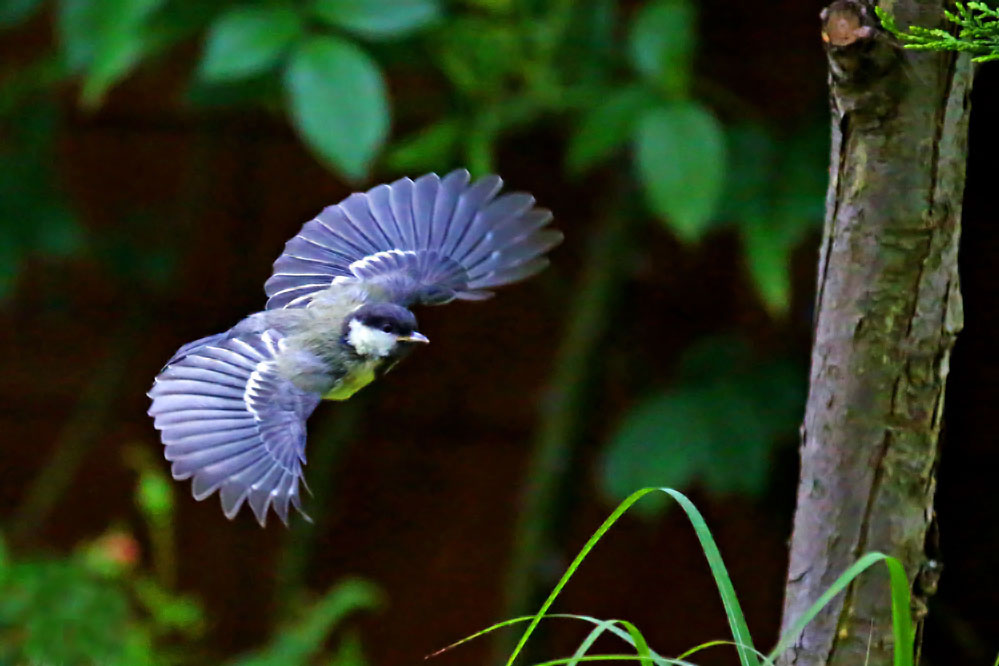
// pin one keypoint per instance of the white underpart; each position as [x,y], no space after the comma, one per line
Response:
[368,341]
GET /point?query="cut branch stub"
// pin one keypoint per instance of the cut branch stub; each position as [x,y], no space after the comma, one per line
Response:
[865,63]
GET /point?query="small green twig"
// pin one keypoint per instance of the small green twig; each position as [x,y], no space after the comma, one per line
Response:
[978,31]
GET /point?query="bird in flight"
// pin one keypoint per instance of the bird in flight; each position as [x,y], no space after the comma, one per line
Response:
[231,407]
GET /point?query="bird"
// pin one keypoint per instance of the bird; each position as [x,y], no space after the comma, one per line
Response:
[231,408]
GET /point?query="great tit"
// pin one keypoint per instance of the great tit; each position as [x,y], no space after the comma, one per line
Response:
[231,408]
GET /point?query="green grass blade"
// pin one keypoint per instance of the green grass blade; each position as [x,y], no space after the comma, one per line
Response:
[630,634]
[641,645]
[587,547]
[658,661]
[607,625]
[588,642]
[646,655]
[478,634]
[710,644]
[737,622]
[901,618]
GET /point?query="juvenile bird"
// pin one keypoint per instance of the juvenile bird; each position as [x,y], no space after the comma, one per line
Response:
[231,408]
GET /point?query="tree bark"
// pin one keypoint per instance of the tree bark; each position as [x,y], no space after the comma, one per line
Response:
[888,310]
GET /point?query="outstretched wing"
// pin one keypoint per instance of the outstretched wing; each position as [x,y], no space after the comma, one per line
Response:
[228,420]
[427,241]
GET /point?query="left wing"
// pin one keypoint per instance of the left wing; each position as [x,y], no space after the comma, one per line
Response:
[230,421]
[427,241]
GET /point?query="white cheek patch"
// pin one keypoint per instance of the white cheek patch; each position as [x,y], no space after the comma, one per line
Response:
[368,341]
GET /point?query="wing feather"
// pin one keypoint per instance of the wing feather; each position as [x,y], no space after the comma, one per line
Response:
[427,241]
[228,420]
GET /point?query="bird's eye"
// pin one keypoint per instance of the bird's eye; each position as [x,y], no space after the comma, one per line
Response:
[387,327]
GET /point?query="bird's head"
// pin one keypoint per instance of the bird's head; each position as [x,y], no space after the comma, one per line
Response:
[381,329]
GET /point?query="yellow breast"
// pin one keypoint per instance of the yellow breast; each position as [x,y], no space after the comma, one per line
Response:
[362,375]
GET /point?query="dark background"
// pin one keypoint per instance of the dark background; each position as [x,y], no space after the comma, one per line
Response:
[424,492]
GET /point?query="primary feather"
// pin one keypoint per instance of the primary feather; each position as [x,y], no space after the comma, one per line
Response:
[231,407]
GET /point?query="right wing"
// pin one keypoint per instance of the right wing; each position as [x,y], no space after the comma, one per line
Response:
[227,419]
[427,241]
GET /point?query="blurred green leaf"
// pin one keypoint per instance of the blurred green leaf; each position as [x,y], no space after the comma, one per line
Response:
[77,27]
[35,218]
[154,495]
[114,38]
[244,41]
[662,440]
[606,126]
[338,103]
[768,257]
[60,235]
[303,638]
[170,612]
[803,176]
[588,52]
[349,652]
[58,612]
[774,198]
[662,42]
[432,148]
[377,19]
[480,57]
[681,161]
[716,426]
[749,181]
[13,12]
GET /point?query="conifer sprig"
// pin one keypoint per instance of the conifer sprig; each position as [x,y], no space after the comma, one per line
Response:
[978,33]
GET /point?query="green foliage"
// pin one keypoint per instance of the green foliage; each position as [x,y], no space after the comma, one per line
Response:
[684,192]
[774,196]
[377,19]
[154,495]
[245,41]
[426,150]
[97,605]
[72,610]
[35,217]
[716,426]
[978,32]
[104,41]
[607,126]
[13,12]
[338,102]
[94,606]
[303,638]
[507,67]
[479,56]
[662,43]
[741,638]
[350,652]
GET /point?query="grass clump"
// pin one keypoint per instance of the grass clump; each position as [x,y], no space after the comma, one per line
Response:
[741,641]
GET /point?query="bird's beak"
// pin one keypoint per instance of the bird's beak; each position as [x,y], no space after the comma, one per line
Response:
[415,336]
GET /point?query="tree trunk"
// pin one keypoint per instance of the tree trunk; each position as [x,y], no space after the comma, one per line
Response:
[888,309]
